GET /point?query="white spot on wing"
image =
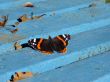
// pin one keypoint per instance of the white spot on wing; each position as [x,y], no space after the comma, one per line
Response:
[33,43]
[66,39]
[34,40]
[64,36]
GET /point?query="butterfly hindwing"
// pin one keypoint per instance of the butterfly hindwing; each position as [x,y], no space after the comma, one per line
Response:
[58,43]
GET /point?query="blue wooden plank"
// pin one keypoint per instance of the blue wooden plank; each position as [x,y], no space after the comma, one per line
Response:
[40,31]
[83,71]
[76,29]
[63,23]
[80,47]
[70,16]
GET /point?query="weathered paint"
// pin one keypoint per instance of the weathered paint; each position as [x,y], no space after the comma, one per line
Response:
[80,48]
[89,27]
[93,69]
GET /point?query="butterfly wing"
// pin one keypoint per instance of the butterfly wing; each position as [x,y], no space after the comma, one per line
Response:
[41,44]
[59,44]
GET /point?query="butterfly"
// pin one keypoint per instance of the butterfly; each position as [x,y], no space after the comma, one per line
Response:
[48,46]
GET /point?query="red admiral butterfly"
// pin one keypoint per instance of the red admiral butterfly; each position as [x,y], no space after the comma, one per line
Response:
[48,46]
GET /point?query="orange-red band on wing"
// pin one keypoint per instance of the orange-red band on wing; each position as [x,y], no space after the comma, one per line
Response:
[39,43]
[62,40]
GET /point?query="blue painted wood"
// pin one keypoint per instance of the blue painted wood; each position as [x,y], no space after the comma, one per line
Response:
[88,26]
[60,21]
[34,29]
[105,78]
[80,47]
[93,69]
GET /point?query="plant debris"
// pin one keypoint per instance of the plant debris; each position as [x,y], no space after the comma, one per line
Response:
[25,18]
[20,75]
[17,46]
[93,5]
[38,17]
[14,31]
[5,19]
[28,4]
